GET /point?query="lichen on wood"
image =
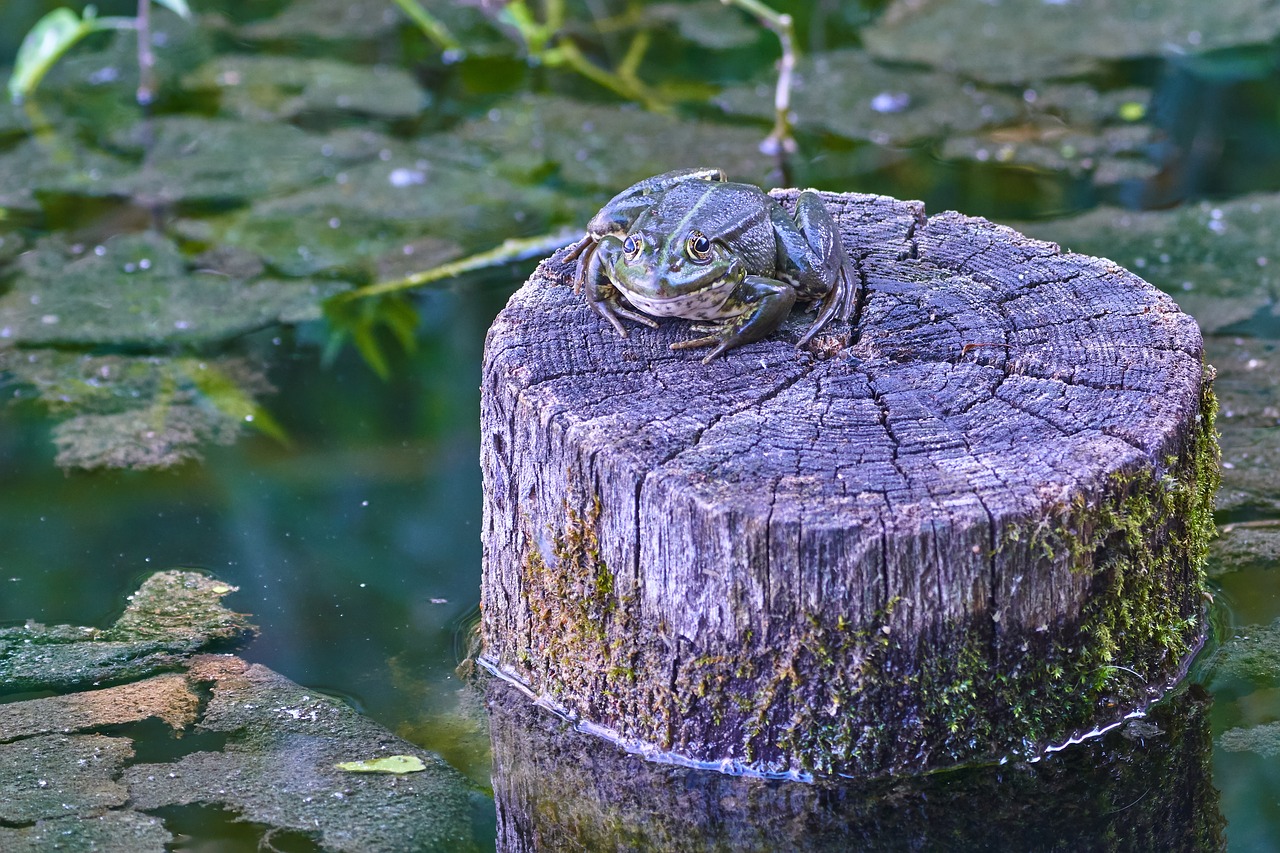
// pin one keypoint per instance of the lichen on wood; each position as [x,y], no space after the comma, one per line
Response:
[970,527]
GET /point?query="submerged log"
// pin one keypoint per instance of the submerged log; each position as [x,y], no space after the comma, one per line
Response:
[970,527]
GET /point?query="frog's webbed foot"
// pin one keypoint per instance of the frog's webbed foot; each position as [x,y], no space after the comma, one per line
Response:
[766,304]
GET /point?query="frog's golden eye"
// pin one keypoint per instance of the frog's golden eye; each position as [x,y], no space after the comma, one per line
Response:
[699,247]
[631,246]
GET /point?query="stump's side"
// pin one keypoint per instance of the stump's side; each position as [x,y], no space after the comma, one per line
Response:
[958,534]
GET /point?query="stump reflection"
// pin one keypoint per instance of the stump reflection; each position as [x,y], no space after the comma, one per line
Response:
[1142,787]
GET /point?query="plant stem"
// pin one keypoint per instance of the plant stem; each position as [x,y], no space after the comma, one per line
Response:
[781,140]
[566,53]
[547,44]
[506,252]
[146,56]
[630,63]
[431,27]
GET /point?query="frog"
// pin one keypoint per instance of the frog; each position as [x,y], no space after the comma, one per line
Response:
[694,245]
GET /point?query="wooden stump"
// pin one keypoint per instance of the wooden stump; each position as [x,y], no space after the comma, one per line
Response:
[974,527]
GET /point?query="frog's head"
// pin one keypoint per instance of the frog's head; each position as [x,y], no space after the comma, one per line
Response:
[685,274]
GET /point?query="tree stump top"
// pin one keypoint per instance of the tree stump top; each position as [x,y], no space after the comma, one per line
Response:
[960,457]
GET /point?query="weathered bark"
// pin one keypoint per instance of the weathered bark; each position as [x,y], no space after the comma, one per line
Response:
[972,527]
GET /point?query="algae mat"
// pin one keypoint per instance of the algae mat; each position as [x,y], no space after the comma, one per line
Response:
[257,746]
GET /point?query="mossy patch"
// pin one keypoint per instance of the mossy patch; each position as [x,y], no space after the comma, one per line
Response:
[1145,542]
[172,616]
[56,775]
[110,832]
[584,636]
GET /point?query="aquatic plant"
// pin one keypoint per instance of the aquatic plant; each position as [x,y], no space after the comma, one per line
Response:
[59,31]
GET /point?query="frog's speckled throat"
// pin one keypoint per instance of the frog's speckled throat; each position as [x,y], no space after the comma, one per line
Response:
[711,302]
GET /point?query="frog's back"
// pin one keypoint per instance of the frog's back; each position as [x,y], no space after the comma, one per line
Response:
[736,214]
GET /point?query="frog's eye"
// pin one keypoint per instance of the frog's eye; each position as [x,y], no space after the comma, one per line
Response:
[699,247]
[631,246]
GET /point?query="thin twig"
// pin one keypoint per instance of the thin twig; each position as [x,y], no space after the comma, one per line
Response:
[506,252]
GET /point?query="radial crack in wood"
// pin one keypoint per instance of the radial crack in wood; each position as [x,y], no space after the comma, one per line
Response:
[972,526]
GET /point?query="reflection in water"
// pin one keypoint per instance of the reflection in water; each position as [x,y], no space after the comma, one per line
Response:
[1144,787]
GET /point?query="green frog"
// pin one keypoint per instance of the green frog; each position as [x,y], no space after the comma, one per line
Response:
[691,244]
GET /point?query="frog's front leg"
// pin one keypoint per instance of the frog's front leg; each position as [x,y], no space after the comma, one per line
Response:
[811,254]
[765,303]
[602,296]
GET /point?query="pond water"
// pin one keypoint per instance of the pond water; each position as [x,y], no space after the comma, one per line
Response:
[178,395]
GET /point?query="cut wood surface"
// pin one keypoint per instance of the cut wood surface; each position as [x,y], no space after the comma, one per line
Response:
[972,525]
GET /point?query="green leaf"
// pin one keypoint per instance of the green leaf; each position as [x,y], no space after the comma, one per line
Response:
[51,37]
[177,6]
[390,764]
[365,322]
[225,393]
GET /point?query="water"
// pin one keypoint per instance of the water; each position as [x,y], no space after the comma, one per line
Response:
[355,539]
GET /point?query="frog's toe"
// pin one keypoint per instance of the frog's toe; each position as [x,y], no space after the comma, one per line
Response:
[632,315]
[576,249]
[607,312]
[719,349]
[719,344]
[721,338]
[698,343]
